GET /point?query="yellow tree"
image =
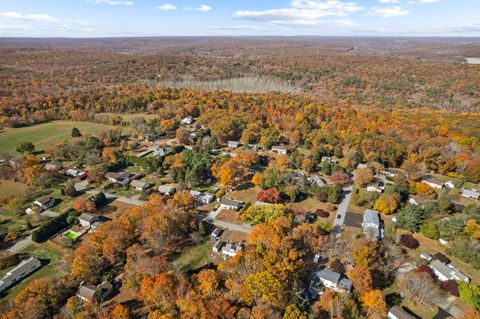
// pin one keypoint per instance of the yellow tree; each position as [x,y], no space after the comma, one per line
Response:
[375,304]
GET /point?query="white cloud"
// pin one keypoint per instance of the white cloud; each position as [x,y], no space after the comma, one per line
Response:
[167,7]
[428,1]
[303,12]
[203,8]
[113,2]
[389,1]
[389,12]
[27,17]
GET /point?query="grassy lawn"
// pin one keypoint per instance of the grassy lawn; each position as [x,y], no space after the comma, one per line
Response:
[312,204]
[421,311]
[12,188]
[46,135]
[52,260]
[247,195]
[195,257]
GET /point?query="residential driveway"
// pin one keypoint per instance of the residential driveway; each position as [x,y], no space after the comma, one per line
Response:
[343,206]
[446,308]
[20,245]
[241,228]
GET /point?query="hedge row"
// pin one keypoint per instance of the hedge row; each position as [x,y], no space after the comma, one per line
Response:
[51,227]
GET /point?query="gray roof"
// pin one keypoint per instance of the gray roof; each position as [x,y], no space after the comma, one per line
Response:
[279,147]
[165,189]
[87,291]
[371,217]
[448,271]
[400,313]
[88,217]
[139,184]
[44,200]
[470,193]
[329,275]
[24,266]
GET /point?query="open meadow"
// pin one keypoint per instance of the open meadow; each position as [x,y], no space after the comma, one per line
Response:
[46,135]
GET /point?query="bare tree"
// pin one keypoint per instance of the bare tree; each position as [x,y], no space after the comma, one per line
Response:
[418,287]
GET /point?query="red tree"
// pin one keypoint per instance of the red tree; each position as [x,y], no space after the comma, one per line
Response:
[271,195]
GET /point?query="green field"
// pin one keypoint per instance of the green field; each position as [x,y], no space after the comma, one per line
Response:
[45,135]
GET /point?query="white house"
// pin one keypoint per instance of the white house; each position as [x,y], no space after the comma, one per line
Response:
[187,120]
[167,190]
[372,226]
[316,180]
[447,272]
[450,184]
[17,274]
[280,149]
[398,313]
[121,179]
[375,186]
[140,185]
[231,250]
[470,193]
[433,182]
[233,144]
[231,204]
[72,172]
[87,220]
[334,280]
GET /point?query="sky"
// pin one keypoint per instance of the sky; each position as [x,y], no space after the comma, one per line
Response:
[121,18]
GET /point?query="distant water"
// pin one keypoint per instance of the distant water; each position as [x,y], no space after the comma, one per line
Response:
[473,60]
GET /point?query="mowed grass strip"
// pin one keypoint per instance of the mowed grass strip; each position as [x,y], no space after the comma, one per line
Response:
[46,135]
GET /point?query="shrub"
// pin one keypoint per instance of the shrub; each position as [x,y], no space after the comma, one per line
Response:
[470,294]
[451,286]
[271,195]
[425,270]
[8,260]
[50,227]
[441,257]
[409,242]
[322,213]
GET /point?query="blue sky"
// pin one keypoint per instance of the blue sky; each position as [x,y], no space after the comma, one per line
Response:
[108,18]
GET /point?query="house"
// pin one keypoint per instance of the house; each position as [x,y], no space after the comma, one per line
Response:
[398,313]
[333,280]
[450,184]
[216,233]
[160,151]
[53,166]
[232,250]
[447,272]
[470,193]
[91,293]
[372,226]
[375,186]
[21,271]
[206,199]
[231,204]
[195,194]
[316,180]
[86,219]
[118,178]
[425,256]
[233,144]
[218,246]
[140,185]
[72,172]
[45,202]
[167,190]
[329,159]
[280,149]
[187,120]
[432,182]
[390,173]
[418,200]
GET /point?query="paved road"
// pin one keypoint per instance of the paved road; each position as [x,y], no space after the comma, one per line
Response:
[20,245]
